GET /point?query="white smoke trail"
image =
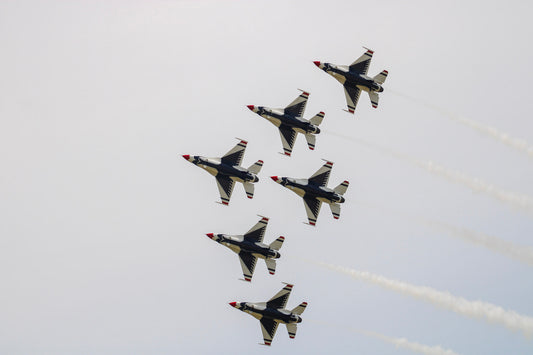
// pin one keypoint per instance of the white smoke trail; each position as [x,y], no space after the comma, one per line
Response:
[518,252]
[476,309]
[477,185]
[399,342]
[404,343]
[513,199]
[516,143]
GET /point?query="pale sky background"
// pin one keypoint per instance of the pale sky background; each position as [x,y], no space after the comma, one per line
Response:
[102,235]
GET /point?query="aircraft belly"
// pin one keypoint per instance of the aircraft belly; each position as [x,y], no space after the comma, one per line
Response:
[324,199]
[209,169]
[275,121]
[234,248]
[363,87]
[298,191]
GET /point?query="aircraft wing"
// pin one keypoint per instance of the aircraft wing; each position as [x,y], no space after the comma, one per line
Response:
[362,63]
[257,232]
[225,187]
[235,155]
[288,136]
[297,107]
[352,96]
[248,262]
[312,207]
[268,327]
[321,177]
[279,300]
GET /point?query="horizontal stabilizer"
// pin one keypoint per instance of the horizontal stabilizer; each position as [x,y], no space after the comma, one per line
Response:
[291,328]
[311,139]
[335,210]
[271,266]
[380,78]
[256,167]
[341,189]
[317,119]
[249,188]
[374,98]
[300,308]
[276,244]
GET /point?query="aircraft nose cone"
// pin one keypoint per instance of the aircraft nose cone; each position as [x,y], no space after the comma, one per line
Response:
[251,107]
[186,157]
[317,63]
[275,178]
[233,304]
[210,235]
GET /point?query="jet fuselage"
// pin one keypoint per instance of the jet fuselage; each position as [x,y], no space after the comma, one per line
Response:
[279,118]
[238,244]
[260,310]
[306,188]
[214,166]
[347,77]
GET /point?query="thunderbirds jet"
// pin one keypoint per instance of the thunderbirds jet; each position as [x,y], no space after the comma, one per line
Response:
[314,192]
[271,313]
[354,79]
[290,122]
[250,246]
[227,170]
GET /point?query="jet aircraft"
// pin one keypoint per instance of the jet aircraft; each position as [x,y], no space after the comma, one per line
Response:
[272,312]
[290,122]
[314,192]
[354,79]
[250,246]
[227,170]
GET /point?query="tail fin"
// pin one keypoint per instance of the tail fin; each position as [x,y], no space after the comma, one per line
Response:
[380,78]
[271,266]
[300,308]
[276,244]
[249,188]
[311,139]
[335,210]
[256,167]
[291,329]
[374,98]
[341,189]
[317,119]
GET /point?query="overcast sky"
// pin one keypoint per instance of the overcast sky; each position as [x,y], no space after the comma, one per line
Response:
[102,229]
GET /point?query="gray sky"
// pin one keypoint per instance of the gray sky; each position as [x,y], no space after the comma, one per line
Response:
[103,246]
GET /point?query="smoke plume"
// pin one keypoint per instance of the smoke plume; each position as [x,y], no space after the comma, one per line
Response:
[516,200]
[413,346]
[476,309]
[492,132]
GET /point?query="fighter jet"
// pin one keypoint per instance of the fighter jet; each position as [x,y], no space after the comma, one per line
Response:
[290,122]
[272,312]
[250,246]
[314,192]
[227,170]
[354,79]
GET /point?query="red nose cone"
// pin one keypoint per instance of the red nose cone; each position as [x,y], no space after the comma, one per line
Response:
[186,157]
[251,107]
[275,178]
[210,235]
[317,63]
[233,304]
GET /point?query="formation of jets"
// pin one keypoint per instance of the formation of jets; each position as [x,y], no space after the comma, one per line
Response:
[314,191]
